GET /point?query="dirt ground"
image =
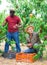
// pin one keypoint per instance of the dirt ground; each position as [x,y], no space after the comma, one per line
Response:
[5,61]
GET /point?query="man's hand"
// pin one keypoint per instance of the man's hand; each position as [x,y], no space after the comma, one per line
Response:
[15,26]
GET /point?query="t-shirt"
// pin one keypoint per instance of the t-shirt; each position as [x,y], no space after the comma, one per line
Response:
[12,21]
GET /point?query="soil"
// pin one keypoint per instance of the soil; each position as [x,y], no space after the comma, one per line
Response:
[5,61]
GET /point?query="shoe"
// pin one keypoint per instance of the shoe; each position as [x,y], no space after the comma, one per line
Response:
[5,55]
[11,55]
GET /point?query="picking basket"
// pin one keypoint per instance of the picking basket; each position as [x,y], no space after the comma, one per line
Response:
[25,57]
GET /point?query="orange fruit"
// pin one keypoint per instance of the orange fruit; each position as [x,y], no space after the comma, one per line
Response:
[31,15]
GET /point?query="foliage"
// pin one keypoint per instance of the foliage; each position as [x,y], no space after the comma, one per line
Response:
[41,48]
[31,12]
[24,9]
[0,1]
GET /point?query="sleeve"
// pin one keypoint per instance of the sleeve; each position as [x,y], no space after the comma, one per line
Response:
[18,20]
[6,19]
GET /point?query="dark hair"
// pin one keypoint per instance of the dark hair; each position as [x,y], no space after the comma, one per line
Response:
[12,11]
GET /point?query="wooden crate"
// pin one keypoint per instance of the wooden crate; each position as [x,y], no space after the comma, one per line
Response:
[25,57]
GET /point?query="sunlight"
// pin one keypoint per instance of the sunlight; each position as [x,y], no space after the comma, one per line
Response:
[4,5]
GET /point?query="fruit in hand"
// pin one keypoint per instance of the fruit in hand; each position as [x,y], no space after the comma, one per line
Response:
[36,46]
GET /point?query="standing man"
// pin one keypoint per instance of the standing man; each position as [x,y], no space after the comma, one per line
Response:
[14,23]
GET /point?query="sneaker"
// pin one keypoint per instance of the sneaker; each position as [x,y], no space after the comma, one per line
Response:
[11,55]
[5,55]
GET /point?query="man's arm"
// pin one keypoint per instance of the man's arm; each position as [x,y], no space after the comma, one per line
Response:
[18,25]
[4,23]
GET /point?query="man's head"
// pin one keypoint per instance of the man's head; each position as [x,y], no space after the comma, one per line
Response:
[12,12]
[30,29]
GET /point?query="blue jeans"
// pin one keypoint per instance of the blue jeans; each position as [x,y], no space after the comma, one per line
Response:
[15,37]
[30,50]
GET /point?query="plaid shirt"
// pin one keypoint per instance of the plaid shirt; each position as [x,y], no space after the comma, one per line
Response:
[35,38]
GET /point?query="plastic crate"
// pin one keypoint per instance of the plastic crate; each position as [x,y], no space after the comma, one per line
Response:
[25,57]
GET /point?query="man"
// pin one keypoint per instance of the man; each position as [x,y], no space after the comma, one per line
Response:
[32,39]
[14,23]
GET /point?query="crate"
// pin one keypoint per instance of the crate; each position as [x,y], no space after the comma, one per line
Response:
[25,57]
